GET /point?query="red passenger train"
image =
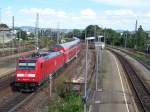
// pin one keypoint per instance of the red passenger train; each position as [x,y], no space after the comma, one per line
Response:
[33,71]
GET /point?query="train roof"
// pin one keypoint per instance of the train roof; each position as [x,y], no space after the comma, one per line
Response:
[70,44]
[52,54]
[44,55]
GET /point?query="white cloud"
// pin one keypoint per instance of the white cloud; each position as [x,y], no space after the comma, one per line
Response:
[147,14]
[117,19]
[122,12]
[87,13]
[61,14]
[44,11]
[126,3]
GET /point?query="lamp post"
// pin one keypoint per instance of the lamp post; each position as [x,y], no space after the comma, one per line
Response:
[98,59]
[85,76]
[86,72]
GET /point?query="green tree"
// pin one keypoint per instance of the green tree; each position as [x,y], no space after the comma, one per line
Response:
[113,38]
[69,35]
[2,25]
[31,35]
[77,33]
[128,37]
[91,31]
[22,35]
[141,38]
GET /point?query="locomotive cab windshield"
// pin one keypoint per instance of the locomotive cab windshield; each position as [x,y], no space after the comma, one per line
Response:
[27,64]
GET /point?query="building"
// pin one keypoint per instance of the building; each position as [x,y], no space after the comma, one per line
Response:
[6,35]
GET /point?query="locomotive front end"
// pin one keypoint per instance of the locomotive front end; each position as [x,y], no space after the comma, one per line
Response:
[26,79]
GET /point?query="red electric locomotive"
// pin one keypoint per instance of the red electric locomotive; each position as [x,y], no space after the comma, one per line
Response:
[33,71]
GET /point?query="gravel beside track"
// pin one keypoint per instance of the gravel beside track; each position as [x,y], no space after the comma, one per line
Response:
[6,80]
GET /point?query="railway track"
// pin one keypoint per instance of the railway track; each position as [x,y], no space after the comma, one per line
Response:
[16,99]
[6,80]
[140,61]
[15,102]
[138,87]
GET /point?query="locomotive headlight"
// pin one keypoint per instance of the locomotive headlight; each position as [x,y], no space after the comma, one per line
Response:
[31,75]
[20,75]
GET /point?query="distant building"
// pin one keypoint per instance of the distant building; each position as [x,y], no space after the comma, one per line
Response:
[148,32]
[6,35]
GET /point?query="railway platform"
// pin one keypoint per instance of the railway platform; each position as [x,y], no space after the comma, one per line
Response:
[113,93]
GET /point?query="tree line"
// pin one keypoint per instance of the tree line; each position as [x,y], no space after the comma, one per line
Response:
[138,39]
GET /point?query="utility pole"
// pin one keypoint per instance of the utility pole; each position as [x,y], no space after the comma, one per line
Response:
[19,39]
[85,35]
[98,46]
[136,24]
[85,76]
[125,45]
[12,33]
[96,65]
[37,32]
[105,36]
[100,58]
[13,23]
[0,15]
[58,35]
[3,42]
[95,31]
[97,60]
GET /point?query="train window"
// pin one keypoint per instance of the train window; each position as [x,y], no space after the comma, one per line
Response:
[22,64]
[31,65]
[58,46]
[27,64]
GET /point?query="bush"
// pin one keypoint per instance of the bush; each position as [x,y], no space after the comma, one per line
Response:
[70,103]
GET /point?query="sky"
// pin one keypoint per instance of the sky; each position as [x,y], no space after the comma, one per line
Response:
[71,14]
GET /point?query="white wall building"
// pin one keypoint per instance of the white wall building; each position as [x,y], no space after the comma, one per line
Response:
[6,35]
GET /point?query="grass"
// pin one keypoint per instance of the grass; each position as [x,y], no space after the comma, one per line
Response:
[70,103]
[60,86]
